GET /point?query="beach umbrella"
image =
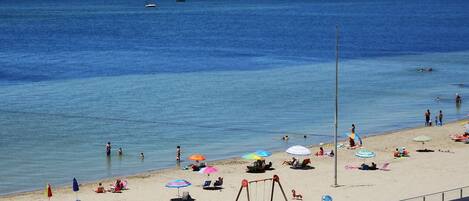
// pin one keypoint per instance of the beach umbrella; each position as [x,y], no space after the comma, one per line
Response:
[252,156]
[178,183]
[422,139]
[298,150]
[75,187]
[364,153]
[208,170]
[197,157]
[355,137]
[263,153]
[48,191]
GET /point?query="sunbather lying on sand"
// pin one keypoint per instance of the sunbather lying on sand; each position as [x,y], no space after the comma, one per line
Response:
[290,162]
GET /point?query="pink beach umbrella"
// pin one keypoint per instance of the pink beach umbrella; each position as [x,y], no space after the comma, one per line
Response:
[208,170]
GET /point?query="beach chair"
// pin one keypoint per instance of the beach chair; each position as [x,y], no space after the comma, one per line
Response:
[207,184]
[385,167]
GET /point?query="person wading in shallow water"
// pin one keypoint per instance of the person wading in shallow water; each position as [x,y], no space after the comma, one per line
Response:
[178,153]
[108,149]
[427,118]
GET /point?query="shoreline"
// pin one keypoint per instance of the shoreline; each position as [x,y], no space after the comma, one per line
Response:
[220,162]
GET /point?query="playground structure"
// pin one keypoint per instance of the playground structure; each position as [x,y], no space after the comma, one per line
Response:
[245,185]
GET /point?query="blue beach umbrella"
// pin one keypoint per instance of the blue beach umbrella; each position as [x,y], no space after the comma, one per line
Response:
[263,153]
[75,187]
[178,183]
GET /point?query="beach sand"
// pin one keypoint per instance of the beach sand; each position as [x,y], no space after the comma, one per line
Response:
[421,173]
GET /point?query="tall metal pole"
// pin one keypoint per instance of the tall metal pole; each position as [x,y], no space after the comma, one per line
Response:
[336,117]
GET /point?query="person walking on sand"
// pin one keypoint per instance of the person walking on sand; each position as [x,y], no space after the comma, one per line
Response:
[440,118]
[178,153]
[427,118]
[108,149]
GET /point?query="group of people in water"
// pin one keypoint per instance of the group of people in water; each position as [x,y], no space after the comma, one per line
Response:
[120,151]
[438,118]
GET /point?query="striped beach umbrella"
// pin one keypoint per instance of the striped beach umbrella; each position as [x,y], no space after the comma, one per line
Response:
[252,156]
[178,183]
[364,153]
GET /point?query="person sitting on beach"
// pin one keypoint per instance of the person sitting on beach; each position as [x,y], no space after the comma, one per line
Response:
[351,142]
[331,153]
[117,187]
[289,162]
[218,182]
[100,189]
[397,154]
[296,196]
[373,166]
[320,152]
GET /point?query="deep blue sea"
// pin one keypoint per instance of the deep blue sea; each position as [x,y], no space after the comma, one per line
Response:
[218,77]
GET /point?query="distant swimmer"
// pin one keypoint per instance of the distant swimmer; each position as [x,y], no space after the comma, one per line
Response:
[119,151]
[108,149]
[425,69]
[458,99]
[285,138]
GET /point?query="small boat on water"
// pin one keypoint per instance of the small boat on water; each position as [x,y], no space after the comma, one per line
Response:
[150,5]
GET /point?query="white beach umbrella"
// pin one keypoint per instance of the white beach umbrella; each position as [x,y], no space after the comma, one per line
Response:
[298,150]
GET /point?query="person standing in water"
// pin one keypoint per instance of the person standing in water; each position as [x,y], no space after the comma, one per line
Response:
[458,99]
[108,149]
[178,153]
[427,118]
[353,128]
[119,151]
[440,118]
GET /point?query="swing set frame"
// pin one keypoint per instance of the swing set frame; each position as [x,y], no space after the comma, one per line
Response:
[275,179]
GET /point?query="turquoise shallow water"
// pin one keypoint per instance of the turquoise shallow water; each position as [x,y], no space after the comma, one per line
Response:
[216,77]
[56,130]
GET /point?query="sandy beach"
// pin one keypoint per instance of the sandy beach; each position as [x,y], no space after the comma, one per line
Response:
[421,173]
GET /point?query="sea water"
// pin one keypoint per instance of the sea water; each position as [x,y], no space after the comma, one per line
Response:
[221,78]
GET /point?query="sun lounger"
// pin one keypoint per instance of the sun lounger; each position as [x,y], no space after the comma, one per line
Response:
[207,184]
